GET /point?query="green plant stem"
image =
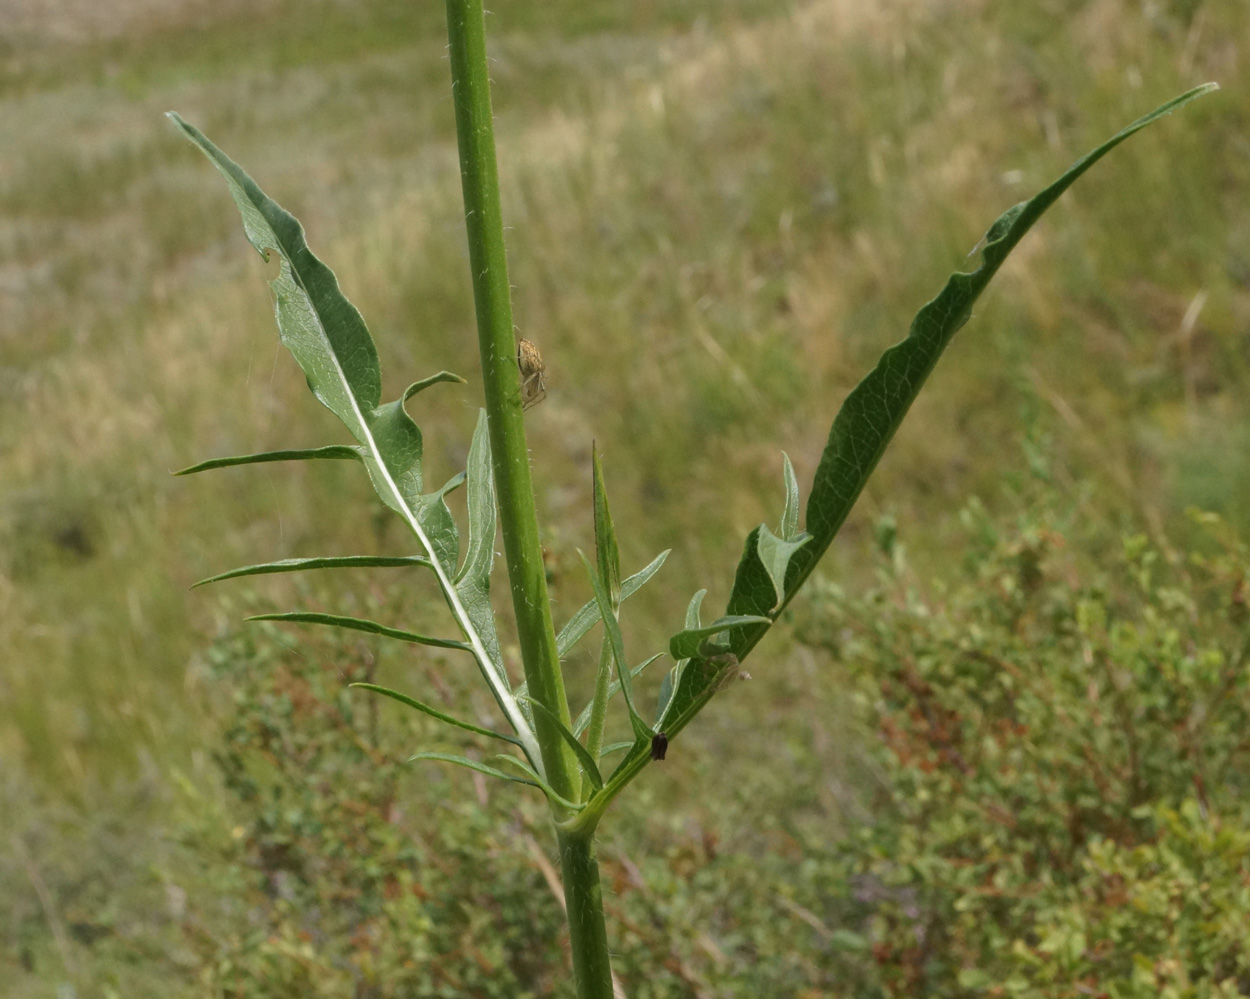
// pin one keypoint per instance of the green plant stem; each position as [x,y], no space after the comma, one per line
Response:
[501,382]
[510,458]
[583,897]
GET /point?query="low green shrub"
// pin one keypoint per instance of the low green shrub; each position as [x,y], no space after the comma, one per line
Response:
[344,873]
[1062,808]
[1055,802]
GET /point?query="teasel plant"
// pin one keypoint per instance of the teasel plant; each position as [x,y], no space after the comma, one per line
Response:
[546,748]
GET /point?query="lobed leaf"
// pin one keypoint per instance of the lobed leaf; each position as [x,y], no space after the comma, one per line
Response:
[330,342]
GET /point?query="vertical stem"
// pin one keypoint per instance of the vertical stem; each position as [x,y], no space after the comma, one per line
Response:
[510,456]
[583,899]
[501,381]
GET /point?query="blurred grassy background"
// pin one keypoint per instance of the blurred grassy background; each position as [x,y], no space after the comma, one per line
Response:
[720,213]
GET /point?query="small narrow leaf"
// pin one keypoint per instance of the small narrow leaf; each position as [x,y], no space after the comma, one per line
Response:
[789,527]
[692,642]
[589,766]
[425,383]
[481,768]
[335,452]
[617,646]
[331,562]
[692,610]
[588,614]
[583,719]
[541,784]
[361,624]
[614,747]
[607,556]
[412,702]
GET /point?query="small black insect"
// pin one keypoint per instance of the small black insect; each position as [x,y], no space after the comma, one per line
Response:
[659,746]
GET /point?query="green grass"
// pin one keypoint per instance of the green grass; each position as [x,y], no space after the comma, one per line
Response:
[758,193]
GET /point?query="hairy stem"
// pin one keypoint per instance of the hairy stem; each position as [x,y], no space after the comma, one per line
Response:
[583,899]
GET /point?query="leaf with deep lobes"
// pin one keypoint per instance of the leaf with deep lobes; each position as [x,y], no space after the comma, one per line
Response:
[859,435]
[329,340]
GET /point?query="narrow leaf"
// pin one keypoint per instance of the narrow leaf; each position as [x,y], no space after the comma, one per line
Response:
[425,383]
[335,452]
[412,702]
[597,710]
[617,645]
[331,562]
[481,768]
[692,610]
[607,556]
[588,614]
[589,766]
[614,747]
[692,642]
[361,624]
[789,527]
[538,782]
